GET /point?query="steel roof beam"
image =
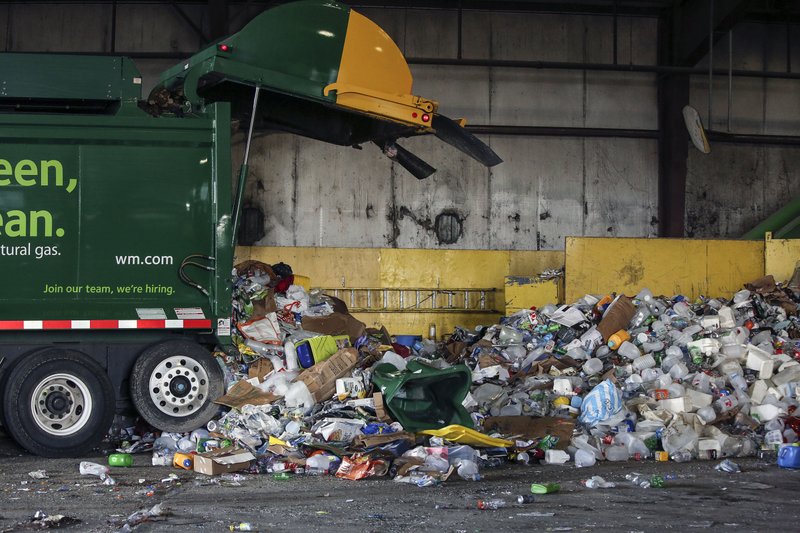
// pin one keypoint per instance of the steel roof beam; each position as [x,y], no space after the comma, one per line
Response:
[691,21]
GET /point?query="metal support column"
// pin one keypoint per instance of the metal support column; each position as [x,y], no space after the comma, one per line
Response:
[673,140]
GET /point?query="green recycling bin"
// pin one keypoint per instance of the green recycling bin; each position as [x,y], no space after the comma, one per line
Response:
[423,397]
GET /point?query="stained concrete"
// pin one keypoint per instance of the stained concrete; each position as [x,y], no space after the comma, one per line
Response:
[696,498]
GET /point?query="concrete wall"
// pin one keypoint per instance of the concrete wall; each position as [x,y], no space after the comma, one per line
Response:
[548,188]
[737,186]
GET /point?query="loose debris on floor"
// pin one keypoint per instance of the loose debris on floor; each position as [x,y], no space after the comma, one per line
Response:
[311,390]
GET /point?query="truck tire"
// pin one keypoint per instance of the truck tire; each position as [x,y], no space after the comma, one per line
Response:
[5,370]
[174,385]
[58,403]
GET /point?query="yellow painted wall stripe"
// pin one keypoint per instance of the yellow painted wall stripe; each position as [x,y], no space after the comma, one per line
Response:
[593,266]
[780,257]
[666,266]
[389,267]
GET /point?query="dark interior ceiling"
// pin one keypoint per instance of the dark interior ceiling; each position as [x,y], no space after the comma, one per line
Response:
[756,10]
[776,11]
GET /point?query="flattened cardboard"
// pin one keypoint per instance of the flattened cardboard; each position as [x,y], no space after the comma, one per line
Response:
[222,461]
[265,306]
[243,393]
[321,378]
[368,441]
[259,369]
[335,324]
[532,427]
[617,317]
[380,408]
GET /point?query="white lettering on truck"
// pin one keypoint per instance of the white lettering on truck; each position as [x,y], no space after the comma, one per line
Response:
[149,260]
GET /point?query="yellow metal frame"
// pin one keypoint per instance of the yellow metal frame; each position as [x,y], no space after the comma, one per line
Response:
[374,76]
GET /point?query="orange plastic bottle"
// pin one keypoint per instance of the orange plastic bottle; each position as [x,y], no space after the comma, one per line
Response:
[615,340]
[183,460]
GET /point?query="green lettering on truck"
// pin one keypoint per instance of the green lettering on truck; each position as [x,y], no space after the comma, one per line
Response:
[5,170]
[25,167]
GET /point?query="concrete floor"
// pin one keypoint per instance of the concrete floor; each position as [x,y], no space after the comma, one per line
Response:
[761,498]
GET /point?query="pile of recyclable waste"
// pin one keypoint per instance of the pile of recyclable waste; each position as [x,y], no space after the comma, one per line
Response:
[312,391]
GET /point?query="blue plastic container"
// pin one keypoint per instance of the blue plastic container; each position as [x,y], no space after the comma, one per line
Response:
[304,355]
[789,456]
[407,340]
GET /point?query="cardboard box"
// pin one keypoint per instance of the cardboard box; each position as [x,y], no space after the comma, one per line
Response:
[222,461]
[617,317]
[243,393]
[532,427]
[321,378]
[335,324]
[380,408]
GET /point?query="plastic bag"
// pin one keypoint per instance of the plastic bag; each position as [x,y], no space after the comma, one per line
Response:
[296,299]
[266,330]
[359,467]
[299,397]
[600,404]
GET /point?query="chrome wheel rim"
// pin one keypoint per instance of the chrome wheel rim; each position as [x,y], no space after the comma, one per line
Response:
[179,386]
[61,404]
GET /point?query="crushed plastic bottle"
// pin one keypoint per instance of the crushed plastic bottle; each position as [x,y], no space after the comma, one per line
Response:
[597,482]
[728,466]
[87,468]
[638,479]
[490,505]
[681,456]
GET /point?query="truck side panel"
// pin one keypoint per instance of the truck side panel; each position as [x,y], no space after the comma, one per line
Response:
[97,213]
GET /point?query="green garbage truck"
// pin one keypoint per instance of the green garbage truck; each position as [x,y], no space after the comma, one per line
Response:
[118,214]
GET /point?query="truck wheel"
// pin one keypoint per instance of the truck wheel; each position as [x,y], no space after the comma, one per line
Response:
[5,370]
[174,385]
[58,403]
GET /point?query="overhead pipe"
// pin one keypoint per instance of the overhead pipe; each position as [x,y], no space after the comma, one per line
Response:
[555,131]
[626,133]
[573,65]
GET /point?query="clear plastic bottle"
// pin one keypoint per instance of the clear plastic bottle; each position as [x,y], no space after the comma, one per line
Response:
[629,350]
[725,404]
[262,348]
[658,328]
[592,366]
[737,381]
[490,505]
[638,479]
[682,456]
[597,482]
[641,314]
[584,458]
[617,453]
[92,469]
[290,352]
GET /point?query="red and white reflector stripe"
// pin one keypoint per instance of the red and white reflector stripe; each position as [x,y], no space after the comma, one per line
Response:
[103,324]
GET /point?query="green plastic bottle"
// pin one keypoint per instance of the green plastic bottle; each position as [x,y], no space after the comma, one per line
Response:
[120,459]
[545,488]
